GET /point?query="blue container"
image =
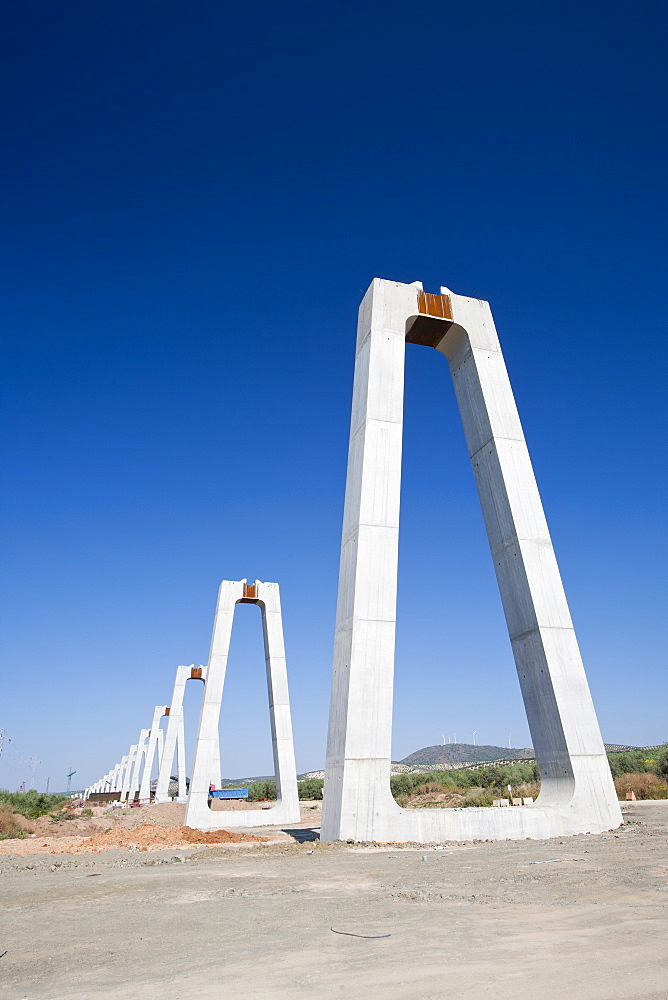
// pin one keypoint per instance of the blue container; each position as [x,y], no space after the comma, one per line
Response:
[230,793]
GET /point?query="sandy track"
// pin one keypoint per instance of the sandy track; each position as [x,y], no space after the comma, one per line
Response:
[486,921]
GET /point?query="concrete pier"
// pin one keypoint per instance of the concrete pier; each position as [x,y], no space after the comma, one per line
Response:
[286,809]
[120,778]
[129,768]
[140,757]
[155,745]
[577,792]
[174,738]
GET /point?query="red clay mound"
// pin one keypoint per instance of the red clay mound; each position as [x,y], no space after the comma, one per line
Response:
[148,837]
[145,837]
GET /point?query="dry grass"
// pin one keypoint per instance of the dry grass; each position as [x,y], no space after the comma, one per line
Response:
[9,828]
[433,795]
[645,786]
[527,789]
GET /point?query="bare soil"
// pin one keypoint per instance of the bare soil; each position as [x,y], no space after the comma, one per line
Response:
[433,800]
[578,918]
[146,829]
[141,838]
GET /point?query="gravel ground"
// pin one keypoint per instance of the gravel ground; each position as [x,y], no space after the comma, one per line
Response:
[522,920]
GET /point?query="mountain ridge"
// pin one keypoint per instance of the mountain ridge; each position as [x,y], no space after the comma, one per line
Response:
[464,753]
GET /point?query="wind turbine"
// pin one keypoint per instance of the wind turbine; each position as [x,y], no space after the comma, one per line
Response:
[69,780]
[474,732]
[443,735]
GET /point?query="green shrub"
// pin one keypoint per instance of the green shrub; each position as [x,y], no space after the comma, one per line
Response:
[310,788]
[406,784]
[661,758]
[487,776]
[639,762]
[260,790]
[31,804]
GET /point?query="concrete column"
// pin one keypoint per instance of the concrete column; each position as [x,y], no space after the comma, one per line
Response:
[286,810]
[122,769]
[564,728]
[577,792]
[360,724]
[140,758]
[129,768]
[182,787]
[215,772]
[154,743]
[175,715]
[175,738]
[115,778]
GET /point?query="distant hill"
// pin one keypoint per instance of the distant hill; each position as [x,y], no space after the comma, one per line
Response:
[224,782]
[453,754]
[447,754]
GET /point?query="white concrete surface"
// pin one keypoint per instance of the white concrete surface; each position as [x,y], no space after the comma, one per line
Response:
[122,768]
[577,793]
[114,774]
[174,740]
[155,745]
[286,810]
[129,768]
[140,759]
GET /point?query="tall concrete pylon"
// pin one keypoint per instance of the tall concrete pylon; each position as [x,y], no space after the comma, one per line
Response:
[113,785]
[286,810]
[175,738]
[120,778]
[577,793]
[155,743]
[129,769]
[139,758]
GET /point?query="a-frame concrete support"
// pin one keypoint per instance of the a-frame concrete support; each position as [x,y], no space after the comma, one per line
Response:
[175,739]
[155,743]
[577,792]
[113,785]
[122,770]
[129,769]
[139,757]
[286,810]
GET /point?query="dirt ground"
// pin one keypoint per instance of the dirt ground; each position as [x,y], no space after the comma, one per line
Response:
[145,829]
[581,918]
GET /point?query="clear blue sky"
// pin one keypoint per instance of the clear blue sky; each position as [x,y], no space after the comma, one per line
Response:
[195,198]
